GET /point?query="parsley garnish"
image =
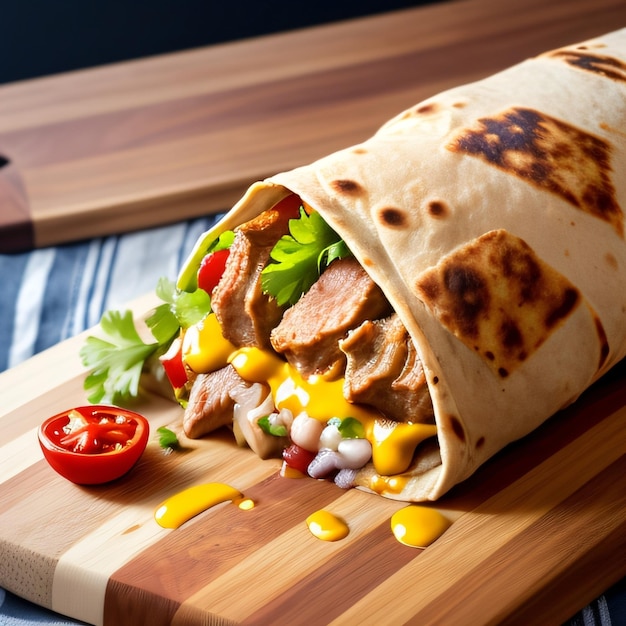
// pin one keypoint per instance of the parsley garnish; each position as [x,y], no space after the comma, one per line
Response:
[351,428]
[168,439]
[278,430]
[116,360]
[180,309]
[300,257]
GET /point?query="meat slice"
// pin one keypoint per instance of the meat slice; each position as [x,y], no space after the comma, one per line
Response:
[245,313]
[210,404]
[383,370]
[341,299]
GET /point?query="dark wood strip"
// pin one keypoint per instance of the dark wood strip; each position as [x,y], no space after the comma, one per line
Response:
[200,551]
[343,580]
[16,221]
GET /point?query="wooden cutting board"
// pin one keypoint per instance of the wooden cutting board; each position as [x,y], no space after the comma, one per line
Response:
[540,530]
[157,140]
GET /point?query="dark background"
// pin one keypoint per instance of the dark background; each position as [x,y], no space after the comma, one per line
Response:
[41,37]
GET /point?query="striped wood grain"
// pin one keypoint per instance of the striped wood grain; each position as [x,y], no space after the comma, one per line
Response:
[157,140]
[541,527]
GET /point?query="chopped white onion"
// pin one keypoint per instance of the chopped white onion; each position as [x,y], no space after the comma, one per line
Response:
[306,431]
[354,453]
[330,437]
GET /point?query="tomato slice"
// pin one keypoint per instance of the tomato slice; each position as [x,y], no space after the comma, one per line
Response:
[96,433]
[173,365]
[211,269]
[289,206]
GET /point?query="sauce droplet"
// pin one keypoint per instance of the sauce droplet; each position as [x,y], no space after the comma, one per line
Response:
[181,507]
[326,526]
[418,526]
[245,504]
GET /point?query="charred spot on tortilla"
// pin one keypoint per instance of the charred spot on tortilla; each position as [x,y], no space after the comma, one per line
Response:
[549,154]
[470,294]
[563,307]
[437,209]
[610,67]
[347,187]
[611,261]
[499,298]
[359,150]
[426,109]
[457,427]
[393,217]
[603,340]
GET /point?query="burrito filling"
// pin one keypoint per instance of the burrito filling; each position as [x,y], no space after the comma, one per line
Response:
[302,354]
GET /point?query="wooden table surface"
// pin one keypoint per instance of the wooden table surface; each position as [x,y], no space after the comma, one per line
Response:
[539,530]
[154,141]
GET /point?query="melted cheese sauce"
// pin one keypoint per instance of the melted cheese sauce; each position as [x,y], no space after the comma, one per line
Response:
[204,347]
[418,526]
[388,484]
[326,526]
[393,443]
[184,505]
[320,398]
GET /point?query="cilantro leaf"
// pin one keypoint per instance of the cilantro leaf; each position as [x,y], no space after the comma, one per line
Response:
[278,430]
[168,439]
[351,428]
[300,257]
[116,359]
[163,324]
[185,307]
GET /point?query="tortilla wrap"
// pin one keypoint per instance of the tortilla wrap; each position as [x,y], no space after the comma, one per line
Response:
[491,217]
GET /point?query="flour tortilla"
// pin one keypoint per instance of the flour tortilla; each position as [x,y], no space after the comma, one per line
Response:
[491,215]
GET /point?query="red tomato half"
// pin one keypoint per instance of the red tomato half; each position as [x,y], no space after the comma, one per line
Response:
[211,269]
[94,444]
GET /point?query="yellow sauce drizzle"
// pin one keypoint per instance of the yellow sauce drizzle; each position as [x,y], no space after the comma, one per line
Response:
[245,504]
[184,505]
[291,472]
[418,526]
[388,484]
[326,526]
[319,397]
[394,443]
[204,347]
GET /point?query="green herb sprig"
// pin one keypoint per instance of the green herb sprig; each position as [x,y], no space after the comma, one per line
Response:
[117,358]
[300,257]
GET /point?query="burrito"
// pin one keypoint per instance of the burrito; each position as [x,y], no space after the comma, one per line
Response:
[470,282]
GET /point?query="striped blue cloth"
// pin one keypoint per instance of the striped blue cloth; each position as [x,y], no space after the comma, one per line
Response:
[51,294]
